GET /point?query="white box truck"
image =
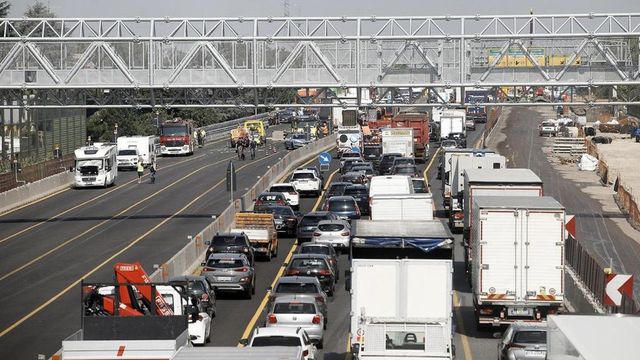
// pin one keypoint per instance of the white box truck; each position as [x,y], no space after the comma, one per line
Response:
[518,271]
[398,140]
[390,185]
[452,121]
[494,182]
[446,173]
[407,315]
[458,165]
[415,207]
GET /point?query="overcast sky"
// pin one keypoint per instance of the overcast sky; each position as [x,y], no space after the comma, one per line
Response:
[247,8]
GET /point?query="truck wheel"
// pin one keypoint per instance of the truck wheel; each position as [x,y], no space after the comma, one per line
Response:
[275,252]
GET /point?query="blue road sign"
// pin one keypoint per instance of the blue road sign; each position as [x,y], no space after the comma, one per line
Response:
[324,158]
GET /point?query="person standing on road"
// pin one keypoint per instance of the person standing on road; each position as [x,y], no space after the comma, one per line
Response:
[152,171]
[252,147]
[203,134]
[140,168]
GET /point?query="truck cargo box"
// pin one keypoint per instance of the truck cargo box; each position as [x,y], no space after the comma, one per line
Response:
[240,353]
[518,267]
[417,207]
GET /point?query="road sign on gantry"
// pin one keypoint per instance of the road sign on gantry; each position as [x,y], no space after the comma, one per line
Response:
[616,286]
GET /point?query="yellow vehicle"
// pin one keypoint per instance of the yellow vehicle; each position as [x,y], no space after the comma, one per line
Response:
[256,127]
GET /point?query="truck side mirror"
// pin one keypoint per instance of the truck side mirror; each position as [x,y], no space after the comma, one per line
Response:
[71,169]
[207,242]
[243,342]
[203,264]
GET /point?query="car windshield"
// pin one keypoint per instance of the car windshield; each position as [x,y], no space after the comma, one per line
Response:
[316,263]
[294,308]
[228,241]
[337,188]
[324,250]
[304,175]
[367,170]
[373,150]
[179,130]
[405,170]
[401,161]
[341,205]
[310,220]
[276,341]
[330,227]
[282,189]
[530,337]
[296,288]
[127,152]
[418,185]
[449,143]
[225,263]
[197,286]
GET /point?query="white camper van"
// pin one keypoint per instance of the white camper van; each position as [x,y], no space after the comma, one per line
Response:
[96,165]
[130,148]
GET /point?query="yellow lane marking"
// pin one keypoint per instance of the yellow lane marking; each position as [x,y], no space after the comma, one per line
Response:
[465,340]
[63,244]
[263,303]
[86,202]
[63,190]
[111,258]
[426,169]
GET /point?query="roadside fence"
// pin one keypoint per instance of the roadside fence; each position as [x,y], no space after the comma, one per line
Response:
[189,257]
[35,172]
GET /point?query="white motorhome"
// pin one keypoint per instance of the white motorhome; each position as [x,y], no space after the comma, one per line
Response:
[458,165]
[96,165]
[452,121]
[131,148]
[349,138]
[418,207]
[398,140]
[518,271]
[407,314]
[390,185]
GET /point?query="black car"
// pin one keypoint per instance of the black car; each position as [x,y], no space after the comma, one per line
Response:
[402,161]
[201,289]
[322,249]
[367,168]
[405,169]
[460,139]
[348,164]
[354,177]
[386,162]
[313,265]
[230,243]
[309,223]
[373,153]
[361,194]
[344,207]
[286,116]
[285,218]
[336,189]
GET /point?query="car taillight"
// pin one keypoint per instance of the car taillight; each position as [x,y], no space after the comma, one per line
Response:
[293,272]
[345,233]
[305,353]
[458,215]
[316,319]
[204,297]
[258,202]
[514,346]
[207,269]
[280,202]
[316,233]
[324,272]
[245,250]
[272,319]
[242,269]
[293,193]
[358,211]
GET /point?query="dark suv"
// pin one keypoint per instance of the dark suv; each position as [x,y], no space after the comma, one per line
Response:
[309,223]
[230,243]
[344,207]
[386,162]
[361,194]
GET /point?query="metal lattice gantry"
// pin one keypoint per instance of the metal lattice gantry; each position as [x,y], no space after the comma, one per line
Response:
[68,59]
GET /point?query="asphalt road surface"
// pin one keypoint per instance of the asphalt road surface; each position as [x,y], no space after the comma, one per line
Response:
[49,246]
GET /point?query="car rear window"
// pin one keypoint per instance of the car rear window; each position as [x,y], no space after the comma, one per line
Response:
[225,263]
[330,227]
[530,337]
[337,188]
[399,161]
[270,197]
[316,263]
[228,241]
[374,150]
[276,341]
[405,170]
[356,192]
[282,189]
[298,176]
[341,205]
[324,250]
[197,286]
[296,288]
[311,220]
[294,308]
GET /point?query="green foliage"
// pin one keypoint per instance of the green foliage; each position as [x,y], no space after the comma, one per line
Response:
[4,8]
[101,124]
[39,10]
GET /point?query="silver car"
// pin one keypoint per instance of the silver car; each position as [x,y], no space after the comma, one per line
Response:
[303,285]
[523,341]
[334,232]
[298,311]
[230,272]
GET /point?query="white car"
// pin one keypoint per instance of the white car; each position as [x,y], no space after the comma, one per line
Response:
[306,181]
[283,336]
[127,158]
[548,127]
[298,311]
[289,191]
[334,232]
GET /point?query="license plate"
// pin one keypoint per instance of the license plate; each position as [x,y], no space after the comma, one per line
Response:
[89,179]
[520,312]
[224,278]
[534,353]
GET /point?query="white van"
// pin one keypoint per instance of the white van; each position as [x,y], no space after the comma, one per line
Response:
[146,147]
[96,165]
[390,185]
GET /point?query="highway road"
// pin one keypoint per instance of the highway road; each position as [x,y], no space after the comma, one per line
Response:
[49,246]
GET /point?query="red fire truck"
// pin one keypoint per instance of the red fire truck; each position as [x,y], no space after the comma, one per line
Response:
[176,137]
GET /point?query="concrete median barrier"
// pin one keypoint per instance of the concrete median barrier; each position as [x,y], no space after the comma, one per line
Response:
[187,260]
[31,192]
